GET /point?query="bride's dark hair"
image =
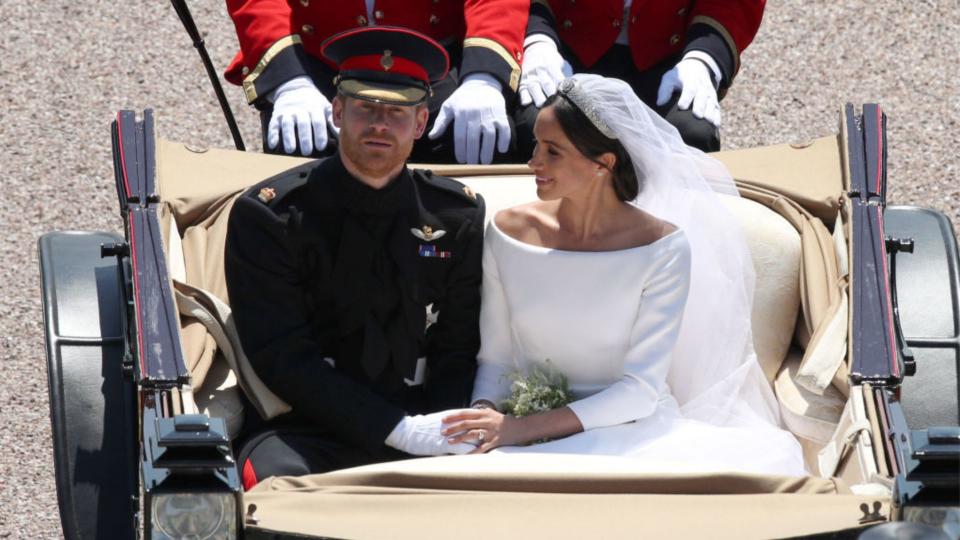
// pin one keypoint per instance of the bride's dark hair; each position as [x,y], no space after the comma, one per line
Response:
[589,141]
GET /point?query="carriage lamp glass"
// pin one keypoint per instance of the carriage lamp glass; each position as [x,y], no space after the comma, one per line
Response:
[193,516]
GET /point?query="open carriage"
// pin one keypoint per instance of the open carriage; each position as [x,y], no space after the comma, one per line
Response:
[856,323]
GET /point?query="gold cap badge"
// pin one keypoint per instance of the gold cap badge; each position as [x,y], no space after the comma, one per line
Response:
[387,60]
[470,193]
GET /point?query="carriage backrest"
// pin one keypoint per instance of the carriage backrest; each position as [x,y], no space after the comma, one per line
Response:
[786,240]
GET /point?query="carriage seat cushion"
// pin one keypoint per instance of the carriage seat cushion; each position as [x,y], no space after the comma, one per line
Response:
[219,396]
[806,414]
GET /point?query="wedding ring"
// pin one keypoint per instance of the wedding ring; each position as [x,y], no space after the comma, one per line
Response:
[481,435]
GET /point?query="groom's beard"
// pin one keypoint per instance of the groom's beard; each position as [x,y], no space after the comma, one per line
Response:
[369,157]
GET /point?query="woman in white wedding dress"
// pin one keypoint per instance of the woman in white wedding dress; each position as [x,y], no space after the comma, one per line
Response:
[631,279]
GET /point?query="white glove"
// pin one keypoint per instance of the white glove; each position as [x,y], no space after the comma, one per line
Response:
[692,78]
[543,69]
[299,110]
[421,435]
[479,116]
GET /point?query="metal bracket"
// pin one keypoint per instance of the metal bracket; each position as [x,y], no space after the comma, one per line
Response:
[894,246]
[871,516]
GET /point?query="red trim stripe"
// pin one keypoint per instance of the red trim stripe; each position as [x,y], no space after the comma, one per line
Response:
[134,264]
[879,149]
[249,476]
[337,37]
[123,161]
[895,368]
[375,62]
[133,248]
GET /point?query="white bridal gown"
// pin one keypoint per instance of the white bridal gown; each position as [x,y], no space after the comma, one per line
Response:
[608,321]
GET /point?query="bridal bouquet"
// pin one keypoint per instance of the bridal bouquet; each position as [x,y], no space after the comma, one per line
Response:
[541,389]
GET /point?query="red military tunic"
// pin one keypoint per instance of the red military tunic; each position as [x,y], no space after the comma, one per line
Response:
[657,29]
[278,37]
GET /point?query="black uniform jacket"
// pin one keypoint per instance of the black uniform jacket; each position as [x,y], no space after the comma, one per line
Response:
[330,282]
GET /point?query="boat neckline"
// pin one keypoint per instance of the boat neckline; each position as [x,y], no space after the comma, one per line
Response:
[528,245]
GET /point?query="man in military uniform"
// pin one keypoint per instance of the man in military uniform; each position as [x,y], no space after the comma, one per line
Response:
[679,56]
[331,274]
[284,75]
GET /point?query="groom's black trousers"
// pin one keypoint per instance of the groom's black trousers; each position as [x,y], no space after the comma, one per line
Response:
[296,451]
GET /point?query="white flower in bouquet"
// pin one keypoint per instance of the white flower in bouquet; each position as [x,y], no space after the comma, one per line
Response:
[542,389]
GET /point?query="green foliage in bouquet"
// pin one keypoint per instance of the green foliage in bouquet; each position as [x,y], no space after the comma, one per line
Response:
[542,389]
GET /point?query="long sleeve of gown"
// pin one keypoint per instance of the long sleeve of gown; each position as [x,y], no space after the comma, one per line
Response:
[496,357]
[648,352]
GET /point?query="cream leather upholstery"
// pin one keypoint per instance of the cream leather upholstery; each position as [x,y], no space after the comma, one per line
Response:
[219,397]
[776,252]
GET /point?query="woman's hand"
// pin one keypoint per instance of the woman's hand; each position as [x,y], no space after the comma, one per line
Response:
[485,428]
[489,429]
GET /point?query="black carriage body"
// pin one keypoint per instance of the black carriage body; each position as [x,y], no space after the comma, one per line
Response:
[905,323]
[115,360]
[90,388]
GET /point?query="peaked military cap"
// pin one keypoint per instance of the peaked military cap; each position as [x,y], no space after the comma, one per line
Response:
[386,64]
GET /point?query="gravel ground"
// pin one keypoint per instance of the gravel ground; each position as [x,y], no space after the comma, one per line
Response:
[67,67]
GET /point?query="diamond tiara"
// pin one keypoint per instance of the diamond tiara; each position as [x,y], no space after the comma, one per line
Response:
[575,94]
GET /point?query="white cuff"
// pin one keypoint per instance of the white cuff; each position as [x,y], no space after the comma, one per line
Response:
[399,433]
[485,79]
[537,38]
[295,83]
[709,61]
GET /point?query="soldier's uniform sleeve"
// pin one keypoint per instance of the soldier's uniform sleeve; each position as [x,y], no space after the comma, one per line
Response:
[274,324]
[494,39]
[271,50]
[454,339]
[543,21]
[723,29]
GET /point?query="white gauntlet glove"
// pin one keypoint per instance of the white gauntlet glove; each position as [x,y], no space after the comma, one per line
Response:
[299,111]
[420,435]
[543,69]
[692,77]
[479,116]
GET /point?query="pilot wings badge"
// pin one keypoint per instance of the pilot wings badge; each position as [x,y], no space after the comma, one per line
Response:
[427,234]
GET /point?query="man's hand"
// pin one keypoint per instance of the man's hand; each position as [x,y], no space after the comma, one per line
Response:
[479,116]
[421,435]
[692,77]
[301,112]
[543,69]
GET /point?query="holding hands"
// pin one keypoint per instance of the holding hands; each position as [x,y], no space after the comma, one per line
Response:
[485,428]
[421,435]
[691,77]
[300,113]
[479,115]
[456,431]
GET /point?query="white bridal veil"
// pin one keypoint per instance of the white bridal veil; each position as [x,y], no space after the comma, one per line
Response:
[714,373]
